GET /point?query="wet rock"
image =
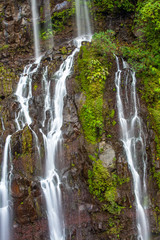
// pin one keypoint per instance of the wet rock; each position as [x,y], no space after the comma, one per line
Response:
[16,189]
[61,6]
[26,211]
[107,155]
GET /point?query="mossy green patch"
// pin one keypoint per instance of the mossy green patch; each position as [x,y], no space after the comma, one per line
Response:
[103,185]
[27,144]
[35,87]
[4,47]
[91,78]
[58,21]
[7,76]
[114,227]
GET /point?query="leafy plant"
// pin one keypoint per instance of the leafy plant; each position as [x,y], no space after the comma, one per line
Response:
[104,42]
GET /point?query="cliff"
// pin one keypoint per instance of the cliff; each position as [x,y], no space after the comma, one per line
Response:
[97,196]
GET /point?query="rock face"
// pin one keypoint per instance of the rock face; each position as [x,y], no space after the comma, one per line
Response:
[107,155]
[85,218]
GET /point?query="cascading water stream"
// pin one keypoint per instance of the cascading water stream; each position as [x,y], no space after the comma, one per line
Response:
[52,142]
[133,142]
[35,28]
[24,94]
[53,136]
[4,195]
[82,18]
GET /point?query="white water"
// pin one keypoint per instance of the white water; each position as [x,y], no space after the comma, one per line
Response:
[4,195]
[35,28]
[82,18]
[52,142]
[133,142]
[53,137]
[24,94]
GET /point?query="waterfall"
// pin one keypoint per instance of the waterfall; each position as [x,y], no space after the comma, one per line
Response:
[133,140]
[82,18]
[51,184]
[4,195]
[35,28]
[52,142]
[24,94]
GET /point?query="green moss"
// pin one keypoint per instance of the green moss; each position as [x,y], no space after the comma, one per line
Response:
[103,185]
[114,6]
[27,142]
[4,47]
[150,94]
[114,227]
[112,113]
[38,208]
[35,87]
[7,76]
[63,50]
[91,79]
[156,212]
[59,19]
[114,123]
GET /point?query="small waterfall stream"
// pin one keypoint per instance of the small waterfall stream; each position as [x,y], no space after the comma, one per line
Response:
[23,94]
[82,18]
[53,138]
[132,137]
[51,184]
[4,195]
[35,28]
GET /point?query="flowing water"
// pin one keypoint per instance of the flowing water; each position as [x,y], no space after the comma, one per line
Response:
[51,183]
[4,195]
[24,94]
[82,18]
[35,28]
[133,140]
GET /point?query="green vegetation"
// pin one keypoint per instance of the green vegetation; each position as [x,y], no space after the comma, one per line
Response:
[58,22]
[6,77]
[104,42]
[114,227]
[3,47]
[93,65]
[114,6]
[103,185]
[27,144]
[35,87]
[92,77]
[144,57]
